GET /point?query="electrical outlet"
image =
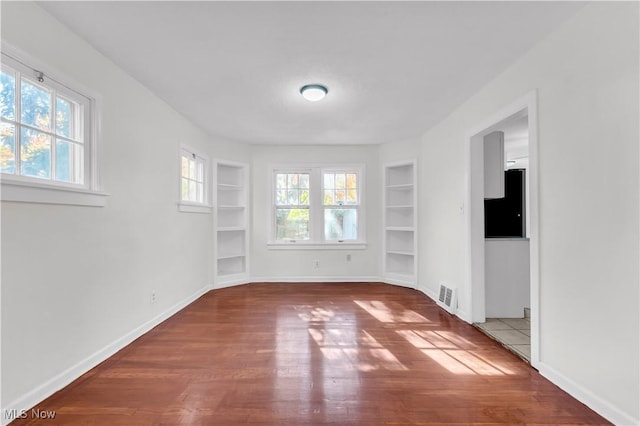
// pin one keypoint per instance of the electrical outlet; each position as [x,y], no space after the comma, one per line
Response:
[349,257]
[154,297]
[316,263]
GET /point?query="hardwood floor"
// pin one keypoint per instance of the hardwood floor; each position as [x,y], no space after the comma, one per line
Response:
[339,353]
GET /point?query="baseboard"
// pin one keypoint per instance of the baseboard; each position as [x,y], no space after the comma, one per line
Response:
[398,282]
[231,283]
[315,279]
[69,375]
[597,404]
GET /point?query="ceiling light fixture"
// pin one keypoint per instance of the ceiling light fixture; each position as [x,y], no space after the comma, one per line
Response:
[313,92]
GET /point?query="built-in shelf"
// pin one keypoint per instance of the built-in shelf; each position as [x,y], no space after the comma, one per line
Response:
[231,222]
[400,224]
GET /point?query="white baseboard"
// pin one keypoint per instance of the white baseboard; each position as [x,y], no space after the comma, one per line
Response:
[315,279]
[230,283]
[597,404]
[61,380]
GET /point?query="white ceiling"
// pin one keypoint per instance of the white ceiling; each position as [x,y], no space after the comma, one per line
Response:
[393,69]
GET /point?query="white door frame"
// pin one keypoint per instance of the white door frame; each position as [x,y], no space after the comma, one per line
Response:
[526,105]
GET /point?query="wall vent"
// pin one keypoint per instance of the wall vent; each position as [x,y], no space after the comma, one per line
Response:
[447,299]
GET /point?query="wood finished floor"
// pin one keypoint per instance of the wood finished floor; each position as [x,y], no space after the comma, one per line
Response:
[296,354]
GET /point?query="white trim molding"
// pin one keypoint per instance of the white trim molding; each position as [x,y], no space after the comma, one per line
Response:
[597,404]
[63,379]
[474,291]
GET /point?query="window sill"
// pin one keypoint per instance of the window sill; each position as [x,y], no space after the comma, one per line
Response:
[194,208]
[300,245]
[28,192]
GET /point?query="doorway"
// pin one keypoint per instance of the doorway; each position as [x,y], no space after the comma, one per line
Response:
[486,300]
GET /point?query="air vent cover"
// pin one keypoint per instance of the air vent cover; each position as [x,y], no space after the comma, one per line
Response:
[447,298]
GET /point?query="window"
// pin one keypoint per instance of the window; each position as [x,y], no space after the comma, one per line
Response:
[193,181]
[317,205]
[340,201]
[47,139]
[292,206]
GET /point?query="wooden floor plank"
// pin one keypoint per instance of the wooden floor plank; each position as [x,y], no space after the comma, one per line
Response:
[324,353]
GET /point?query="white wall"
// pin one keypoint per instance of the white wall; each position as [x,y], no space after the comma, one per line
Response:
[272,264]
[76,279]
[586,74]
[506,277]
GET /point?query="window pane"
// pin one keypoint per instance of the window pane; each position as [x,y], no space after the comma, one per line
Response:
[293,180]
[292,197]
[304,181]
[340,196]
[328,181]
[192,191]
[7,148]
[36,106]
[304,197]
[185,166]
[69,159]
[192,169]
[200,171]
[329,198]
[7,95]
[340,181]
[200,192]
[35,153]
[340,224]
[185,190]
[352,180]
[281,197]
[292,224]
[281,181]
[352,196]
[63,117]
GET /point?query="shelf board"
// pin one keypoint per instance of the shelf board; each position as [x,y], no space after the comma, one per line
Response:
[401,186]
[231,228]
[230,207]
[229,187]
[400,228]
[401,253]
[401,206]
[230,256]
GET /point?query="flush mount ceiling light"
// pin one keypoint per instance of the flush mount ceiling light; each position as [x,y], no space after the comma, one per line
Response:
[313,92]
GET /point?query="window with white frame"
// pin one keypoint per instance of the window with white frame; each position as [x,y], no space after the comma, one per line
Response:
[292,206]
[49,135]
[340,203]
[317,205]
[193,174]
[45,129]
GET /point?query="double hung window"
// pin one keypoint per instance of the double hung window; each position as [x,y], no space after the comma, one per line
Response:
[48,136]
[317,205]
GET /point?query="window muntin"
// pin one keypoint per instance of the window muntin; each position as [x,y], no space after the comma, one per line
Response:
[321,205]
[44,128]
[192,177]
[292,204]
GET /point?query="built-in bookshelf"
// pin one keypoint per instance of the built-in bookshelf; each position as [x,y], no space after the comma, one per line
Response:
[400,223]
[232,261]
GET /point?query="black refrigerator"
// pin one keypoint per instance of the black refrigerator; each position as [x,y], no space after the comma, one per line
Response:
[505,217]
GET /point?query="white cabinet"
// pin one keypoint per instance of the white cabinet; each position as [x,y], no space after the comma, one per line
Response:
[400,247]
[232,236]
[494,165]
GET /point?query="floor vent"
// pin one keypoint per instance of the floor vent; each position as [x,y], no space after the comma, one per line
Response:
[447,298]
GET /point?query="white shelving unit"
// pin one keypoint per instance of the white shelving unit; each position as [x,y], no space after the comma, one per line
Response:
[232,235]
[400,245]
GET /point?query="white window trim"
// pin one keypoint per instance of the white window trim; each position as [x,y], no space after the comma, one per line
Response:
[23,189]
[316,231]
[191,206]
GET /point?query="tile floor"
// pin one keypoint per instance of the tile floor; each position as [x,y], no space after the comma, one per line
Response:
[513,333]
